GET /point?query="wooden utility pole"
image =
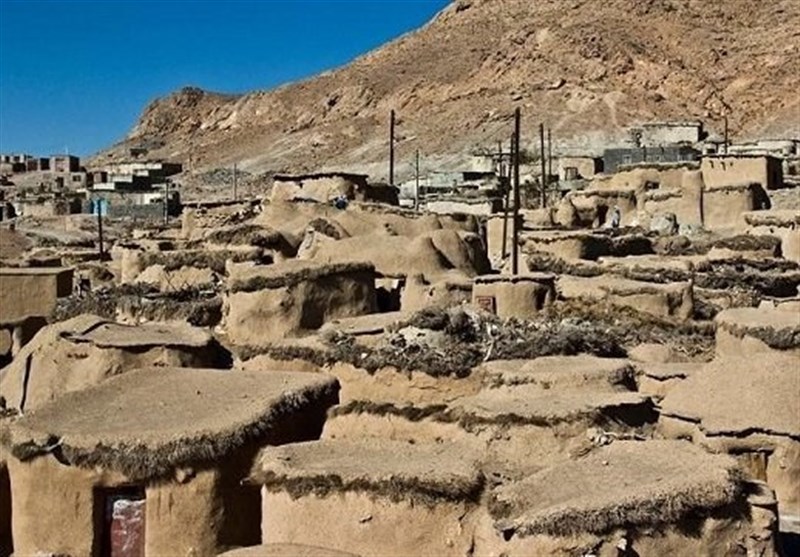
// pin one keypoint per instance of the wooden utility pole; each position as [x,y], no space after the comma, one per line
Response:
[726,134]
[544,166]
[416,181]
[166,201]
[391,148]
[515,223]
[549,154]
[507,194]
[99,206]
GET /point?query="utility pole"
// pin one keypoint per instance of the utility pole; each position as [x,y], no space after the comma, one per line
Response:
[416,181]
[549,154]
[235,181]
[515,223]
[726,134]
[99,206]
[507,194]
[166,201]
[391,148]
[544,169]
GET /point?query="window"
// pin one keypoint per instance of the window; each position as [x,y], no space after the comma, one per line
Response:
[77,178]
[627,159]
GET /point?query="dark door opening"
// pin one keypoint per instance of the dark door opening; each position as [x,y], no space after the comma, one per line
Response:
[121,516]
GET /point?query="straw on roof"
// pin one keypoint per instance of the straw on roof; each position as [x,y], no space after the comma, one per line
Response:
[115,335]
[738,397]
[147,422]
[627,483]
[530,404]
[399,471]
[290,273]
[776,328]
[558,371]
[285,550]
[669,370]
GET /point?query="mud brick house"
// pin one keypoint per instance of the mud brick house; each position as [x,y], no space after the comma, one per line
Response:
[158,453]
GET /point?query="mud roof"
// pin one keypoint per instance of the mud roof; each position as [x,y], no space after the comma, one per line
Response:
[426,472]
[526,277]
[559,371]
[285,550]
[784,217]
[626,483]
[145,423]
[777,328]
[289,273]
[740,397]
[530,404]
[107,334]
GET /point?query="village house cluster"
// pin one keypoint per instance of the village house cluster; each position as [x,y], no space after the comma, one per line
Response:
[574,354]
[60,185]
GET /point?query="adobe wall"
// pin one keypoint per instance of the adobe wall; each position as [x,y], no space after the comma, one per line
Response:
[519,297]
[773,459]
[786,229]
[585,166]
[322,189]
[369,526]
[494,235]
[728,171]
[419,294]
[723,207]
[55,509]
[269,314]
[31,292]
[52,507]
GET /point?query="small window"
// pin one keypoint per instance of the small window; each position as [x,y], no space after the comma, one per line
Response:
[77,178]
[626,159]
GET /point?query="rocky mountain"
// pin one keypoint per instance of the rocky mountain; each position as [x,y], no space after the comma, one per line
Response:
[587,68]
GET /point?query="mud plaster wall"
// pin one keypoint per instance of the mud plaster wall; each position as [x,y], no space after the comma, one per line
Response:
[770,458]
[32,294]
[391,385]
[789,236]
[734,170]
[523,299]
[319,189]
[55,509]
[274,313]
[494,236]
[731,346]
[53,506]
[595,205]
[74,366]
[722,209]
[357,523]
[418,294]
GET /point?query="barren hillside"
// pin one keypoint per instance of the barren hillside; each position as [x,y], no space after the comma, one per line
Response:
[585,67]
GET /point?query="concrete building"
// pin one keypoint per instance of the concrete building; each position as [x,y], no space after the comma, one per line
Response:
[613,159]
[324,187]
[663,134]
[732,170]
[575,168]
[65,163]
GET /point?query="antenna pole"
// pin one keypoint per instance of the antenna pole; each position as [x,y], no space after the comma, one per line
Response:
[515,222]
[391,148]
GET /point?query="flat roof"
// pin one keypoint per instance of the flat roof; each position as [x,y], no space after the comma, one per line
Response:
[22,271]
[294,177]
[145,423]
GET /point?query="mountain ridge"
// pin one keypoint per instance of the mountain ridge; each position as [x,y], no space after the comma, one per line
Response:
[587,68]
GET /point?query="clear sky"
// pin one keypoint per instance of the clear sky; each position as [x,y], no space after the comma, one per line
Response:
[76,74]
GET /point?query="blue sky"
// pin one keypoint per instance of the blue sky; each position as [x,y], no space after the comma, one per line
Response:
[76,74]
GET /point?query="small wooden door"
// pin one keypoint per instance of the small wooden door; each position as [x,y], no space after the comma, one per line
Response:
[123,522]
